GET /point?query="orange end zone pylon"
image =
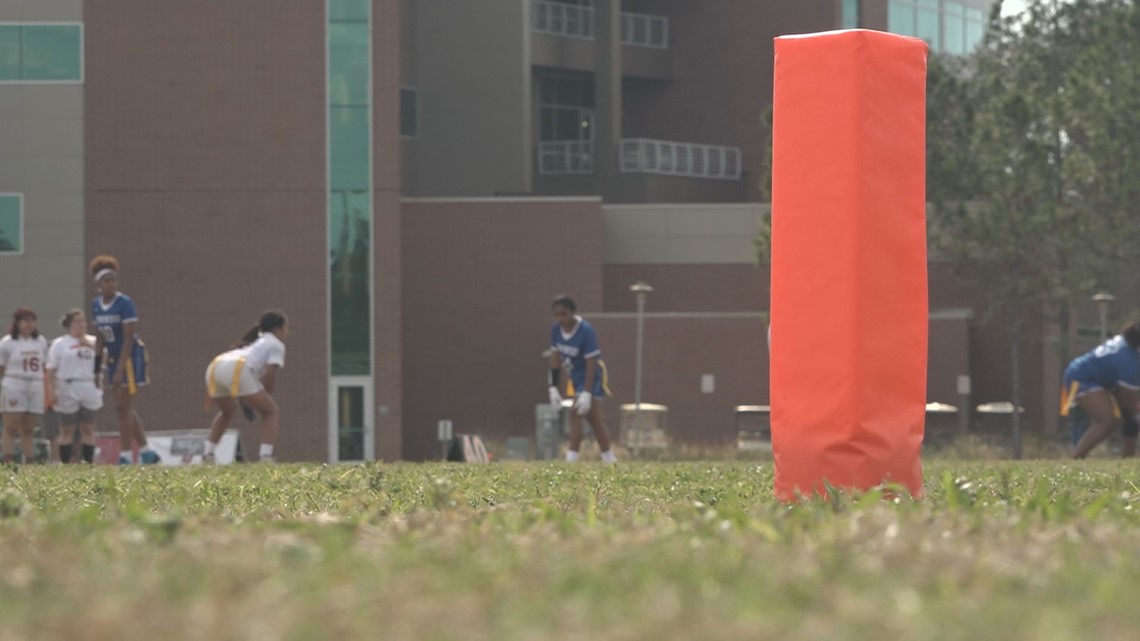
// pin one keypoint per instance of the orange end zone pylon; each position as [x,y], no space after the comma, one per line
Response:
[849,291]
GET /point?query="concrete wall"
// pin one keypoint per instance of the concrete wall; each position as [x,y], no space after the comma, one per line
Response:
[681,233]
[679,349]
[478,280]
[474,81]
[42,157]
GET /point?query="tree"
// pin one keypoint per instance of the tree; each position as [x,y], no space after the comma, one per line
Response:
[1028,161]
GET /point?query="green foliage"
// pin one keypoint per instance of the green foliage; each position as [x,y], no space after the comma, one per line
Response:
[1033,153]
[525,551]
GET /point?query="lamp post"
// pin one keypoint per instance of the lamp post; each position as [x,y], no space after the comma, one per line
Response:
[641,291]
[1103,300]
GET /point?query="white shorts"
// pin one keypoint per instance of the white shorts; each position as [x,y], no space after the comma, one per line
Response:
[22,395]
[228,376]
[76,394]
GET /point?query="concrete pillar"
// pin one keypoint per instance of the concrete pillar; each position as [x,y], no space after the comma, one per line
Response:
[607,91]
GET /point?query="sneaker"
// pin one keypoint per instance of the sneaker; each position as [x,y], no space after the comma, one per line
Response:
[267,459]
[207,459]
[125,459]
[149,457]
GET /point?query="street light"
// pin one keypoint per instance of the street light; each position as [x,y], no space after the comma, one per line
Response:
[1103,300]
[641,291]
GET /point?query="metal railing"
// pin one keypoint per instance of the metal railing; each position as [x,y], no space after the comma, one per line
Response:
[642,30]
[563,19]
[565,157]
[646,156]
[637,29]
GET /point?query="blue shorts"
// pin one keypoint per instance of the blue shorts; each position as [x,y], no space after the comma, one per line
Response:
[601,382]
[136,375]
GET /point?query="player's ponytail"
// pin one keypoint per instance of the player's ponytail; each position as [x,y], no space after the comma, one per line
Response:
[270,320]
[248,338]
[1131,334]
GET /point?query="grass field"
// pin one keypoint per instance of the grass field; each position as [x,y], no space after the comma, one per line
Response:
[548,551]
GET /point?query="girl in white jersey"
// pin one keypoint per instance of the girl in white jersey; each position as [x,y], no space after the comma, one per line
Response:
[23,389]
[247,375]
[78,388]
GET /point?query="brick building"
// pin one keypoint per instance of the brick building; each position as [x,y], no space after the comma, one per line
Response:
[412,180]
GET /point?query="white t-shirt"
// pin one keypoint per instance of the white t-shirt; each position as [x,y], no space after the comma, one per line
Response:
[266,350]
[23,357]
[72,359]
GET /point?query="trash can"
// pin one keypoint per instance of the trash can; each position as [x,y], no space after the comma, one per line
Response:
[754,428]
[652,419]
[996,418]
[518,448]
[547,431]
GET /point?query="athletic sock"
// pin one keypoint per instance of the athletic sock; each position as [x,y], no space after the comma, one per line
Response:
[266,451]
[571,456]
[89,453]
[608,456]
[64,453]
[210,445]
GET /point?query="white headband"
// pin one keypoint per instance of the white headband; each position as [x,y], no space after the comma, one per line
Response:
[101,273]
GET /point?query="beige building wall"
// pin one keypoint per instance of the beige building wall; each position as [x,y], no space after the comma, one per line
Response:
[41,157]
[473,73]
[664,234]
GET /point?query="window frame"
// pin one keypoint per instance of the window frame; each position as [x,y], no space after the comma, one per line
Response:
[21,220]
[82,53]
[415,90]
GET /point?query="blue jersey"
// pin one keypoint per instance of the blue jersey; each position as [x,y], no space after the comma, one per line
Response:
[575,348]
[1111,364]
[109,320]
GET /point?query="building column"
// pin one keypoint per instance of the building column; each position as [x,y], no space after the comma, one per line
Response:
[607,92]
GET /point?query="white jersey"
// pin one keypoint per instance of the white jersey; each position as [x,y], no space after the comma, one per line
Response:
[23,358]
[72,359]
[266,350]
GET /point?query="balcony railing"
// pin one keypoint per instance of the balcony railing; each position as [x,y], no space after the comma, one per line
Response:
[641,30]
[563,19]
[637,29]
[645,156]
[557,157]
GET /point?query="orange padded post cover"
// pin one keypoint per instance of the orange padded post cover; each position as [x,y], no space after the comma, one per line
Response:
[849,298]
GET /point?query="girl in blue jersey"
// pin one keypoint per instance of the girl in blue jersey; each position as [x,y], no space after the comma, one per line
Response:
[1104,383]
[575,351]
[115,317]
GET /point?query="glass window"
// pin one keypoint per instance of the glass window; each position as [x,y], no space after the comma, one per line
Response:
[41,53]
[350,141]
[348,10]
[900,18]
[350,423]
[11,223]
[974,33]
[850,14]
[350,231]
[409,112]
[954,32]
[348,64]
[350,186]
[928,29]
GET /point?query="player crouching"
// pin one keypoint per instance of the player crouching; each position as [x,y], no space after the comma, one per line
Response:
[246,375]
